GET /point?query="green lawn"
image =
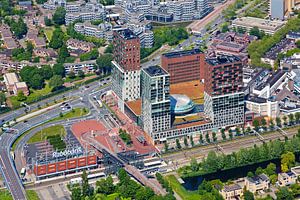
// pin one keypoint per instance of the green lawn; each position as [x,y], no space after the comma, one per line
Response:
[76,112]
[5,195]
[180,190]
[33,96]
[50,131]
[32,195]
[49,32]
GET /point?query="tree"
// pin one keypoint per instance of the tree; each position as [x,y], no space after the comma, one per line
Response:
[80,74]
[166,146]
[58,69]
[2,98]
[105,186]
[291,118]
[63,53]
[194,165]
[223,134]
[297,117]
[37,82]
[185,142]
[29,47]
[21,96]
[284,120]
[250,174]
[71,75]
[18,28]
[76,193]
[178,145]
[237,131]
[144,193]
[123,176]
[278,121]
[46,72]
[85,184]
[57,39]
[47,21]
[201,139]
[56,82]
[59,16]
[271,123]
[256,124]
[263,122]
[192,141]
[284,194]
[259,171]
[104,63]
[248,195]
[224,28]
[287,161]
[230,134]
[271,169]
[214,135]
[207,138]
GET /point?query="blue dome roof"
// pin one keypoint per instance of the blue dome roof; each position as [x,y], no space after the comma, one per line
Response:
[181,104]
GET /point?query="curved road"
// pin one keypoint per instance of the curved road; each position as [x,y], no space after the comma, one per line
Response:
[7,165]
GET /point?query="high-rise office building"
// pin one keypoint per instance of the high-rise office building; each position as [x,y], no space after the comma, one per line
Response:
[126,66]
[281,9]
[223,94]
[155,96]
[184,66]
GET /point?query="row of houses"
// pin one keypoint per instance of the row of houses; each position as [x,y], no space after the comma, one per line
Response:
[259,183]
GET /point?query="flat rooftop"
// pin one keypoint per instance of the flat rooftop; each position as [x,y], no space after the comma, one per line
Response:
[176,54]
[126,34]
[271,25]
[221,60]
[11,78]
[193,89]
[155,71]
[135,106]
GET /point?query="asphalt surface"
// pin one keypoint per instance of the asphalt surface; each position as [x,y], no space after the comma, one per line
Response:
[7,165]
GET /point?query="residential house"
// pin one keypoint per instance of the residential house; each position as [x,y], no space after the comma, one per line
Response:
[257,183]
[233,191]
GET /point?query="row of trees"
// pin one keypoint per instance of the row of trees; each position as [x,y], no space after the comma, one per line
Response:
[290,119]
[18,28]
[256,154]
[171,36]
[35,77]
[126,188]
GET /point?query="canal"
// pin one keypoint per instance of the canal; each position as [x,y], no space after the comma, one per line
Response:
[192,183]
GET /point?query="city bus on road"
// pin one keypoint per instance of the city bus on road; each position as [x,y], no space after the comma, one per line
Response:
[23,172]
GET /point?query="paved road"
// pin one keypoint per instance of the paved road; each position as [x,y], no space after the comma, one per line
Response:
[10,175]
[9,116]
[8,169]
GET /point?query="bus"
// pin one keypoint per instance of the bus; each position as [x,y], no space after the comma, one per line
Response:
[23,172]
[90,177]
[100,103]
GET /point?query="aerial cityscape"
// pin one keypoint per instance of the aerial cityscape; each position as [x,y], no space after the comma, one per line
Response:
[150,99]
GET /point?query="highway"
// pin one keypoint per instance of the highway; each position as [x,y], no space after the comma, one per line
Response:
[7,165]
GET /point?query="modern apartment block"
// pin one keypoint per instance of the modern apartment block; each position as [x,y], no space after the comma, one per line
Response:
[155,96]
[126,66]
[223,90]
[184,66]
[85,12]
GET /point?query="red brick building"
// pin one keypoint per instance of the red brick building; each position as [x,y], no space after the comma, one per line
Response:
[126,49]
[184,66]
[223,75]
